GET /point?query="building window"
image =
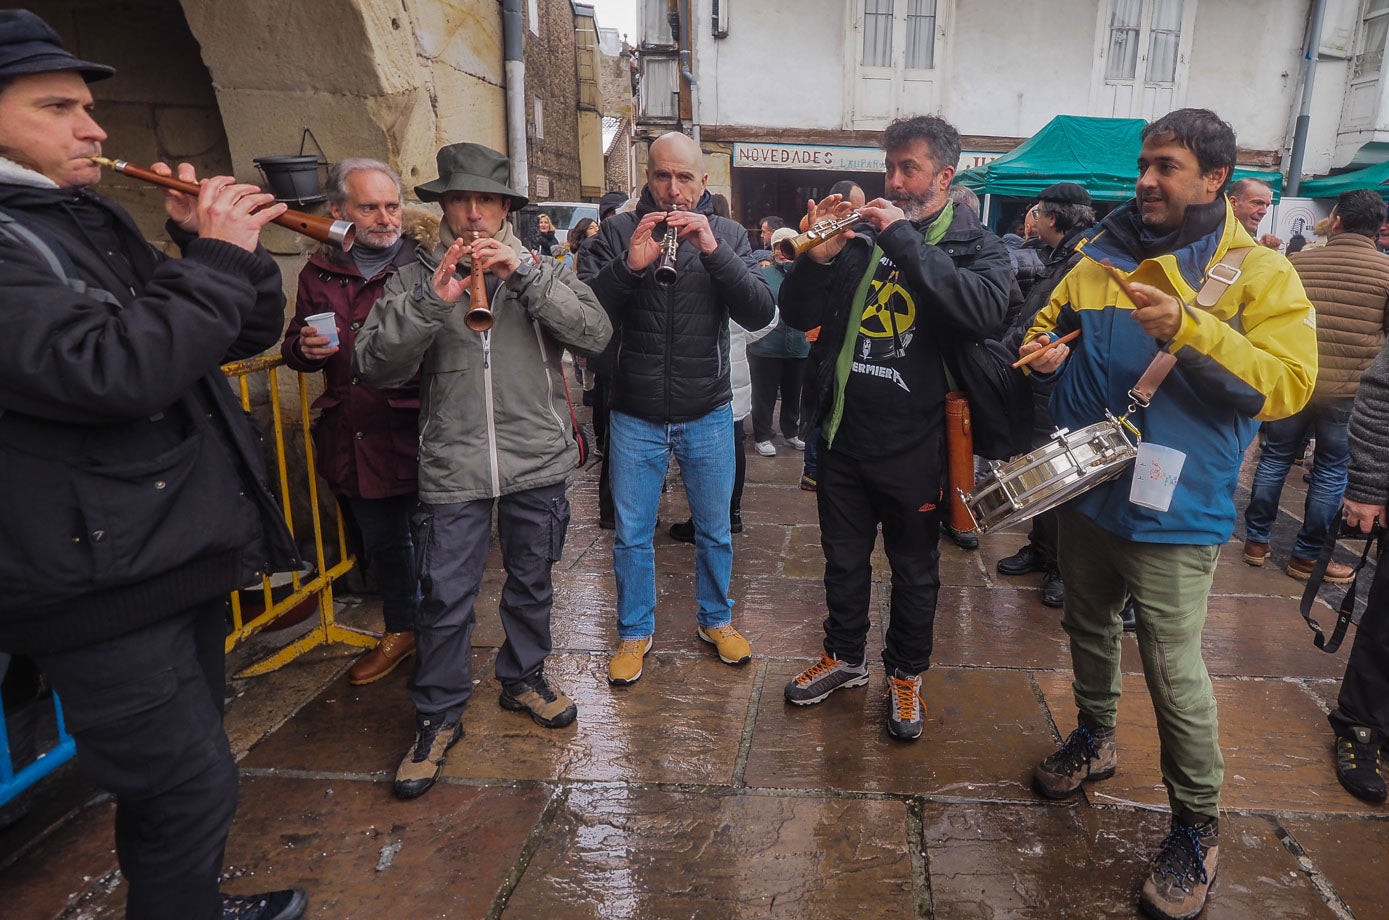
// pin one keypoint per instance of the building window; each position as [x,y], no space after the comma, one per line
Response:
[921,34]
[539,120]
[877,33]
[533,9]
[917,19]
[1375,27]
[660,87]
[1127,28]
[656,23]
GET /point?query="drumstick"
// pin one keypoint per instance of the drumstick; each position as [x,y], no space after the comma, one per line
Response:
[1024,361]
[1124,285]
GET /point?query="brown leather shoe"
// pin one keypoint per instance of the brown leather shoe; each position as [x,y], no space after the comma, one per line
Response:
[1336,573]
[382,660]
[1255,553]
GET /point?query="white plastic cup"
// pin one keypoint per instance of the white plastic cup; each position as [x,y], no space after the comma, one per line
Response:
[1155,473]
[326,324]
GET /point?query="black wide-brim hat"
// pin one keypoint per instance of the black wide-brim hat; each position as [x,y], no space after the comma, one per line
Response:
[29,45]
[471,168]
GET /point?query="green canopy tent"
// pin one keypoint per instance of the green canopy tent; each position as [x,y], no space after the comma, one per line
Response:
[1374,177]
[1099,154]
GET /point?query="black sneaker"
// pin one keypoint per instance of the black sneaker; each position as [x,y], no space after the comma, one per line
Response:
[1053,589]
[550,709]
[735,520]
[683,531]
[1358,764]
[964,539]
[906,711]
[288,904]
[1180,875]
[1025,561]
[1090,753]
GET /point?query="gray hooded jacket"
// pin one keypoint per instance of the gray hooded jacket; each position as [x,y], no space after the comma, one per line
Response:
[493,412]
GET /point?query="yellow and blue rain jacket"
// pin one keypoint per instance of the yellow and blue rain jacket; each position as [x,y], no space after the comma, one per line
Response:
[1251,358]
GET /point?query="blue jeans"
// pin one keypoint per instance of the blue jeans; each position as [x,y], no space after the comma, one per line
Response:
[1328,422]
[639,453]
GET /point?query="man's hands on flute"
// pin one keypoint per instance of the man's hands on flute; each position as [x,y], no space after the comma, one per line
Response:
[490,254]
[831,207]
[224,209]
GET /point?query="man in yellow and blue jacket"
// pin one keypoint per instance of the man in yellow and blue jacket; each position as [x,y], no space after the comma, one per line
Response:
[1250,357]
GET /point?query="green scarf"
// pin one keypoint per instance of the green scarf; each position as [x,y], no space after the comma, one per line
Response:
[933,234]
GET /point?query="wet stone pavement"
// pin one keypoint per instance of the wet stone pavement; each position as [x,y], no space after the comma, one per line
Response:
[698,793]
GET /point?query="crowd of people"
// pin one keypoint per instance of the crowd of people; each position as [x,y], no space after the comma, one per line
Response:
[120,440]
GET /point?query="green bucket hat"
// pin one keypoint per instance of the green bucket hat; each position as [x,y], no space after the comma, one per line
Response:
[471,168]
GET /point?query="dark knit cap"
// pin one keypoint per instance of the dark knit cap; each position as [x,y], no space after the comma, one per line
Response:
[29,45]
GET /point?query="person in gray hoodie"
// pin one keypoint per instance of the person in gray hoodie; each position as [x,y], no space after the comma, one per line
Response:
[495,430]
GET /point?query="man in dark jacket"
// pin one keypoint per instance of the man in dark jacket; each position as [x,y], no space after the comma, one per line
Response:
[1348,283]
[366,441]
[890,297]
[671,390]
[1061,217]
[133,492]
[1361,717]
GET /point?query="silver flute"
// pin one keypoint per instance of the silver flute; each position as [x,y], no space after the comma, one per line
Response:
[670,250]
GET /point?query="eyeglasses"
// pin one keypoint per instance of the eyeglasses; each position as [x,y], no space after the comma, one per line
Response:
[1036,212]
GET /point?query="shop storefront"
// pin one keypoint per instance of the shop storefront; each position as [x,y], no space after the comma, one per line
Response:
[778,178]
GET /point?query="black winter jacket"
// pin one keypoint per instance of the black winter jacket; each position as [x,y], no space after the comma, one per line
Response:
[132,483]
[963,283]
[669,352]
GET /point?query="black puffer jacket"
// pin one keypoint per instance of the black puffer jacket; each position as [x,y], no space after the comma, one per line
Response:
[131,482]
[669,351]
[964,284]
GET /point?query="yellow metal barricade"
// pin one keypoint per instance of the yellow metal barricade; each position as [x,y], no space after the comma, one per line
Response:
[304,585]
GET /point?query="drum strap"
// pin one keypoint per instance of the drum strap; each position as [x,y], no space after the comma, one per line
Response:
[1221,275]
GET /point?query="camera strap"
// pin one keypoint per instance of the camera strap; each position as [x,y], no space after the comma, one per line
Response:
[1347,611]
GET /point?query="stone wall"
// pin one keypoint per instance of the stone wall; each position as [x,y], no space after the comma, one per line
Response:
[552,82]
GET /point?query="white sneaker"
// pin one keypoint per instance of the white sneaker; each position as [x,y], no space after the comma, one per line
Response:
[797,443]
[766,449]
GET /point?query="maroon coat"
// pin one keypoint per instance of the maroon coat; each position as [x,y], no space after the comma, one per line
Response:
[366,440]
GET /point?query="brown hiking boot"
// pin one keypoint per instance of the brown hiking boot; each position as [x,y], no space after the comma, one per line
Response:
[1090,753]
[425,759]
[1336,573]
[393,648]
[1255,553]
[1180,875]
[546,706]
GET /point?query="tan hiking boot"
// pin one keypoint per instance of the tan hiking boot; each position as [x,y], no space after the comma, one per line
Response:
[1089,753]
[1336,573]
[625,666]
[425,759]
[1255,553]
[393,648]
[733,648]
[547,706]
[1180,875]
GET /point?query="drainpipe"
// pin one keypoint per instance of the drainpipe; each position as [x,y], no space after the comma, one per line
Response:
[686,71]
[1309,72]
[514,70]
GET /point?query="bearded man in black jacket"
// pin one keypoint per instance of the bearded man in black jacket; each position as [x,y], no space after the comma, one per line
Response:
[890,297]
[670,388]
[133,491]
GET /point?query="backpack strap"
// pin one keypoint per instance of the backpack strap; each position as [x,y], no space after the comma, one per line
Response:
[12,230]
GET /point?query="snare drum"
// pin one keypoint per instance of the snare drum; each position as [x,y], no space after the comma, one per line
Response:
[1027,485]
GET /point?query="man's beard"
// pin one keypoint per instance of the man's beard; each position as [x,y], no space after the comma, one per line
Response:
[371,239]
[915,206]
